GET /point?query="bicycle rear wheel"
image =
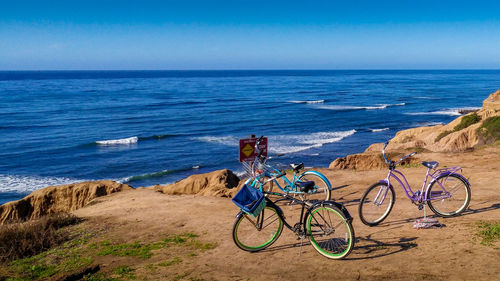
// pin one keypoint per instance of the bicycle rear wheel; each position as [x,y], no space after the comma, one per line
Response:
[255,234]
[320,191]
[450,198]
[329,232]
[376,203]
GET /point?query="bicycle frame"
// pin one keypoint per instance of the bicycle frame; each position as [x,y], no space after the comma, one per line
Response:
[419,195]
[289,185]
[299,227]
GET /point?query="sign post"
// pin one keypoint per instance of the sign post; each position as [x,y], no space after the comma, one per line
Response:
[247,149]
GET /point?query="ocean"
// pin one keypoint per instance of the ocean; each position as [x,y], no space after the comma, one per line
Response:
[156,127]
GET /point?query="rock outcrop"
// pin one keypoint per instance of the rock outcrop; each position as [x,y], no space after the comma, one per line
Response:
[220,183]
[56,199]
[461,134]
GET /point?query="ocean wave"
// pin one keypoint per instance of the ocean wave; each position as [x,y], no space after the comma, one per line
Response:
[379,130]
[351,107]
[286,144]
[125,141]
[153,175]
[307,101]
[146,176]
[449,111]
[428,124]
[27,184]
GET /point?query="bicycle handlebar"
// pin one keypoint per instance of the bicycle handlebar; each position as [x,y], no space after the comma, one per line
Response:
[400,160]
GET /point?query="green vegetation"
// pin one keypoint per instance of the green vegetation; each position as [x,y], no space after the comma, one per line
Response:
[78,253]
[491,128]
[488,231]
[19,240]
[466,121]
[442,135]
[170,262]
[125,272]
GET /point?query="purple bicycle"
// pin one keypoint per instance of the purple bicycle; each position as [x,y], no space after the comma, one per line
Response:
[445,191]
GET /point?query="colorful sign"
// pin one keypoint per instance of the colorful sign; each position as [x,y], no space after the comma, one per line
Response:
[248,151]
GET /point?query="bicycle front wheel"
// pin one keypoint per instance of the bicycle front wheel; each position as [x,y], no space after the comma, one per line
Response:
[449,195]
[376,203]
[255,234]
[329,232]
[320,191]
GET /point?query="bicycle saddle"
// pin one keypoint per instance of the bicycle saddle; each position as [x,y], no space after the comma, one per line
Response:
[430,164]
[297,167]
[305,186]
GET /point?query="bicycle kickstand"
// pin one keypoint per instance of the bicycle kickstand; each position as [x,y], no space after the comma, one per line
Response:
[300,250]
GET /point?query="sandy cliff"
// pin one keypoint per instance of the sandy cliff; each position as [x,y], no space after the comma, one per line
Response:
[462,134]
[220,183]
[55,199]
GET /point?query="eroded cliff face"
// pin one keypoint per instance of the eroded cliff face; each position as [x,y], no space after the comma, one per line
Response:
[56,199]
[439,138]
[220,183]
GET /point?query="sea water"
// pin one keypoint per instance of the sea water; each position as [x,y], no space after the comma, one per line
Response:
[157,127]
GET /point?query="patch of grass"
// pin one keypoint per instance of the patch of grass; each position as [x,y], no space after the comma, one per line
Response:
[170,262]
[19,240]
[135,249]
[98,277]
[442,135]
[488,231]
[466,121]
[125,272]
[491,128]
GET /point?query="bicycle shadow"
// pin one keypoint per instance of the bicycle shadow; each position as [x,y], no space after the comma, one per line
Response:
[469,211]
[376,248]
[370,246]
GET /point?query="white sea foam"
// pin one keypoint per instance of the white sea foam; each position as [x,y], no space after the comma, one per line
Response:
[352,107]
[427,124]
[451,112]
[307,101]
[130,140]
[379,130]
[225,140]
[26,184]
[284,144]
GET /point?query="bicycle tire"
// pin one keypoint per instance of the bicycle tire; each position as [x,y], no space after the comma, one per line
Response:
[319,184]
[456,206]
[329,231]
[369,211]
[248,238]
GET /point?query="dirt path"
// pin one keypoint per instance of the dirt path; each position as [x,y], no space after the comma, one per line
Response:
[392,250]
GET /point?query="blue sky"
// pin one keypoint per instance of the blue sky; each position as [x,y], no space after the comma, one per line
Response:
[241,34]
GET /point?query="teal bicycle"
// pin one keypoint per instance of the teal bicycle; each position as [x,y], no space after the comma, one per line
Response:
[309,185]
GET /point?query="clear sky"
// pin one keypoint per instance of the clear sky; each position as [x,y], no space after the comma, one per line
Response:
[249,34]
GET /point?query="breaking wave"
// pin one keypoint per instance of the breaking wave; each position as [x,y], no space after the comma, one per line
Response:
[286,144]
[125,141]
[379,130]
[307,101]
[26,184]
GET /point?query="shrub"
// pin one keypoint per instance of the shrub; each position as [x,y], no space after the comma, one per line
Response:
[19,240]
[491,127]
[466,121]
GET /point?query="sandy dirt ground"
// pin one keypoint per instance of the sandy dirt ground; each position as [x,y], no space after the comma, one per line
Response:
[393,250]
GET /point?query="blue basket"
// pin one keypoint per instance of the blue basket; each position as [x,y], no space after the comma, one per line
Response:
[250,200]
